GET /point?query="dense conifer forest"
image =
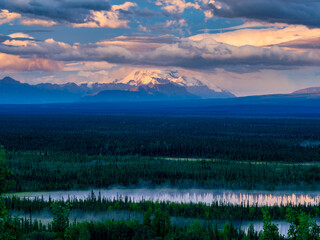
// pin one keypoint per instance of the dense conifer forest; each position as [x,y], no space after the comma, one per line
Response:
[36,170]
[64,152]
[220,138]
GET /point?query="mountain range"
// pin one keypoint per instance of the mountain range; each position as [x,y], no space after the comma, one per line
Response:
[145,85]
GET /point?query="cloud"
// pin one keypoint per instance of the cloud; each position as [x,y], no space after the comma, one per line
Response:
[38,22]
[16,39]
[208,53]
[304,12]
[304,43]
[6,16]
[103,19]
[252,83]
[176,6]
[262,37]
[186,53]
[71,11]
[125,6]
[140,43]
[108,19]
[87,66]
[76,13]
[10,63]
[179,6]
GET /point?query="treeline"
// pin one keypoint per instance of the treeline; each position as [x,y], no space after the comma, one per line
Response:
[159,227]
[155,228]
[35,171]
[235,139]
[214,211]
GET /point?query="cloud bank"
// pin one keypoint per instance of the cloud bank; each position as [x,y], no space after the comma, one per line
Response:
[304,12]
[206,53]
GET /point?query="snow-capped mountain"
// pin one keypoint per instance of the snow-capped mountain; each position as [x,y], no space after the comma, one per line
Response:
[143,85]
[155,76]
[191,84]
[145,77]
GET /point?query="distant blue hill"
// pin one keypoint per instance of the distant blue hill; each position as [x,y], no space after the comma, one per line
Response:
[159,99]
[15,92]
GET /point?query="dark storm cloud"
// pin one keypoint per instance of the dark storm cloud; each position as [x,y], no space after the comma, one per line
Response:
[305,12]
[72,11]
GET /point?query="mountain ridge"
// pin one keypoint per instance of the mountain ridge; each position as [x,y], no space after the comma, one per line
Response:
[151,87]
[310,90]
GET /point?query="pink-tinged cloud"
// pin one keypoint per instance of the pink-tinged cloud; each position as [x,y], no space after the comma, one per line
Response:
[103,19]
[262,37]
[6,16]
[303,43]
[176,6]
[38,22]
[107,19]
[93,14]
[140,44]
[186,53]
[10,63]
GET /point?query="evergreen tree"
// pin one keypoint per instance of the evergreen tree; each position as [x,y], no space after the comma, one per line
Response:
[9,227]
[270,230]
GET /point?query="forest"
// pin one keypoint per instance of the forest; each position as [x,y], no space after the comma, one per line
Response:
[253,139]
[213,211]
[35,171]
[65,152]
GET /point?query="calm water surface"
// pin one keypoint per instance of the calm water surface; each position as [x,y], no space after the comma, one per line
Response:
[77,215]
[261,198]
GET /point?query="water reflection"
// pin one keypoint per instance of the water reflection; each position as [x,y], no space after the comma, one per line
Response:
[187,195]
[46,217]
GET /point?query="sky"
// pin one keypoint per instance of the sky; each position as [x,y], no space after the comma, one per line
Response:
[248,47]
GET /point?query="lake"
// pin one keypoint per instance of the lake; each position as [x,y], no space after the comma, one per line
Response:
[235,197]
[117,215]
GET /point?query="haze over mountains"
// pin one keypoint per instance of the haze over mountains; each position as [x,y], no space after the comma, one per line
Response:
[146,85]
[143,85]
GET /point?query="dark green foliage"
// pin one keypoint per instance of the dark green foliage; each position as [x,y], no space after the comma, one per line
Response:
[128,230]
[270,230]
[39,236]
[78,152]
[60,223]
[9,227]
[302,227]
[161,222]
[215,211]
[158,226]
[35,171]
[235,139]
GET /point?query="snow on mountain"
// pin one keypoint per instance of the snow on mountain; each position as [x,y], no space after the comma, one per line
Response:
[155,76]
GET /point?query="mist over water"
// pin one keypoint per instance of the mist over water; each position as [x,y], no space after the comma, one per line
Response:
[310,143]
[236,197]
[46,217]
